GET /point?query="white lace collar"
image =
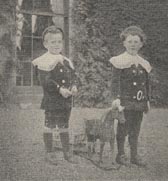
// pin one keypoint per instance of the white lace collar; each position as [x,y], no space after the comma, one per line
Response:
[48,61]
[126,60]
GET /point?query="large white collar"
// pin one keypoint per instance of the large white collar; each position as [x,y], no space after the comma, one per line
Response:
[126,60]
[48,61]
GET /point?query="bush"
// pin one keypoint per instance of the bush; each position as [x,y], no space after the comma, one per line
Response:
[97,25]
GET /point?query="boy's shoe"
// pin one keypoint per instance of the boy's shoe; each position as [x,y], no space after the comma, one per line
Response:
[70,158]
[51,158]
[138,161]
[122,160]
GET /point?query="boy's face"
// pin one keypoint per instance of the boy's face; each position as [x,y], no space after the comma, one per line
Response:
[53,43]
[133,44]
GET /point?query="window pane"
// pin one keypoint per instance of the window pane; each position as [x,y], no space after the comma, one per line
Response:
[27,4]
[35,78]
[24,77]
[25,53]
[38,48]
[27,25]
[43,5]
[42,23]
[35,4]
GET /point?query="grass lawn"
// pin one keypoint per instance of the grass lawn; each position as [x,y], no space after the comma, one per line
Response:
[22,152]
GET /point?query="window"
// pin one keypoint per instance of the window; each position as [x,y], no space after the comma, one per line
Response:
[32,17]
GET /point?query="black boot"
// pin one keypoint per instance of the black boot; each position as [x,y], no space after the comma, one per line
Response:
[66,148]
[50,156]
[121,157]
[135,159]
[48,138]
[122,160]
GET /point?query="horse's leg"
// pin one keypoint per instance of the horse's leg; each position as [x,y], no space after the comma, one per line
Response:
[112,141]
[91,144]
[102,143]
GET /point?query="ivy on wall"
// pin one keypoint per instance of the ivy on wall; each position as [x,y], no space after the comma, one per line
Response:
[97,25]
[7,31]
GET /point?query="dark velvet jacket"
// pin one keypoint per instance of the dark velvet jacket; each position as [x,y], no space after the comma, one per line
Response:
[131,85]
[61,76]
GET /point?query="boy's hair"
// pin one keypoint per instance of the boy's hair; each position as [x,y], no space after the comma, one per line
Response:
[133,30]
[53,30]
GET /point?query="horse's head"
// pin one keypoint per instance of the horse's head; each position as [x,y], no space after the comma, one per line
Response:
[118,111]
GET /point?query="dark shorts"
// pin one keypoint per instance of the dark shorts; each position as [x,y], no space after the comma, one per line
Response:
[58,117]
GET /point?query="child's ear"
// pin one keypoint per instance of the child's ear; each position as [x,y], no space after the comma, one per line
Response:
[141,45]
[124,43]
[45,44]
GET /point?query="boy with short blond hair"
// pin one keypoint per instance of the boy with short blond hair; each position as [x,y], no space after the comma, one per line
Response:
[59,83]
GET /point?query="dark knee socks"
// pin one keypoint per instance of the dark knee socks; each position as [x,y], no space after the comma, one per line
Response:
[65,142]
[120,145]
[133,141]
[48,138]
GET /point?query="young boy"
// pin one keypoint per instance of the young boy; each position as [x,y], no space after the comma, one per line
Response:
[58,79]
[130,87]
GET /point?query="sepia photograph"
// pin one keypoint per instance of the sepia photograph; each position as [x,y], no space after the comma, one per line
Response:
[83,90]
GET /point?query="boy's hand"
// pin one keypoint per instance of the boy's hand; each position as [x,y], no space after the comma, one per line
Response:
[65,92]
[121,108]
[74,90]
[116,104]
